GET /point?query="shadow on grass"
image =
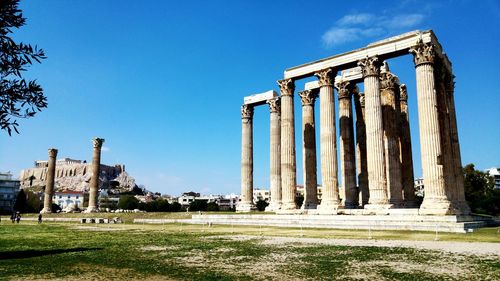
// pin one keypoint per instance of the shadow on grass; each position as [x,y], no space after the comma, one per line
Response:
[10,255]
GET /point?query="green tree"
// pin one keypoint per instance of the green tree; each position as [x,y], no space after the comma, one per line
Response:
[480,191]
[261,205]
[19,98]
[21,204]
[163,205]
[198,205]
[175,207]
[128,202]
[212,207]
[27,202]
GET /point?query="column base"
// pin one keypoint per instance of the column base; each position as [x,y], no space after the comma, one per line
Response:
[273,207]
[377,209]
[329,207]
[288,206]
[245,207]
[351,205]
[46,211]
[91,210]
[461,208]
[309,205]
[436,207]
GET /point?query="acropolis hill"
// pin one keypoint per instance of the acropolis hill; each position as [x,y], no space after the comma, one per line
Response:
[75,175]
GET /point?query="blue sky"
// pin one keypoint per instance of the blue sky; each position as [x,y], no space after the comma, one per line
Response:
[163,81]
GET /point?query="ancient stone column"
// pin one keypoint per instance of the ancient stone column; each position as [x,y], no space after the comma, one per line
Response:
[309,149]
[462,205]
[328,143]
[246,200]
[94,181]
[445,132]
[347,157]
[374,135]
[288,160]
[407,178]
[275,147]
[435,199]
[49,186]
[389,86]
[362,170]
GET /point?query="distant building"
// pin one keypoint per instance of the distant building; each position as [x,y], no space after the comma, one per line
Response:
[187,197]
[8,192]
[66,198]
[261,194]
[419,187]
[299,191]
[495,173]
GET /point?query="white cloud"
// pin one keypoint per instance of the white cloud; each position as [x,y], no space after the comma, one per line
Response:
[355,27]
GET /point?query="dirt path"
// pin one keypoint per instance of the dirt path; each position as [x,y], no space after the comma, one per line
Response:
[469,248]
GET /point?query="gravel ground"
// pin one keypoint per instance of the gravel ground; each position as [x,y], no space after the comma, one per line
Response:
[469,248]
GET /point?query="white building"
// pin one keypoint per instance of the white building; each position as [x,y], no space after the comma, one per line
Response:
[261,194]
[495,173]
[187,197]
[65,198]
[8,192]
[419,187]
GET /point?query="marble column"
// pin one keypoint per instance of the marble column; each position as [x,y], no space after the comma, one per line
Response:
[94,180]
[445,132]
[275,165]
[288,159]
[435,200]
[49,186]
[308,98]
[362,172]
[246,200]
[407,177]
[463,207]
[374,135]
[389,92]
[330,200]
[347,155]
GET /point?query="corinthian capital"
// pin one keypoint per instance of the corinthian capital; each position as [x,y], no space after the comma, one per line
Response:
[286,87]
[423,53]
[403,94]
[246,111]
[274,105]
[388,80]
[97,142]
[346,89]
[52,153]
[308,97]
[369,66]
[325,77]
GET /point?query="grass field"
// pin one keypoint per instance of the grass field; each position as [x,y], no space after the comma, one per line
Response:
[70,251]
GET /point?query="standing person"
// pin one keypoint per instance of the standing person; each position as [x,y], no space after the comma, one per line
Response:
[18,217]
[40,218]
[13,217]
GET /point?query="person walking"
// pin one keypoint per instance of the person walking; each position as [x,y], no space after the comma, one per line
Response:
[39,218]
[18,217]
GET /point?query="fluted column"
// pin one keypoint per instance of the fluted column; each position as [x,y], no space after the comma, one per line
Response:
[435,199]
[94,181]
[309,149]
[328,143]
[246,200]
[374,135]
[275,147]
[49,186]
[463,207]
[362,170]
[347,157]
[445,132]
[288,159]
[389,85]
[407,177]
